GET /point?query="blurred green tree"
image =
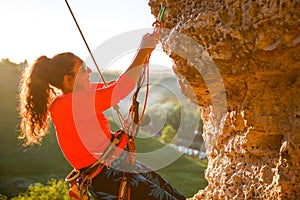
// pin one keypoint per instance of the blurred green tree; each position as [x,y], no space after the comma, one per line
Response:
[55,189]
[168,134]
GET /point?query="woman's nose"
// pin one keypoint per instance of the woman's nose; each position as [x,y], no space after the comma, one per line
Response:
[89,70]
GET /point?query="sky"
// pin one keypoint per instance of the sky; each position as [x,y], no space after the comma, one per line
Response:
[31,28]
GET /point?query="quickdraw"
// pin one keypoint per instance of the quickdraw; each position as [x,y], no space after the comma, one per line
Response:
[134,117]
[158,23]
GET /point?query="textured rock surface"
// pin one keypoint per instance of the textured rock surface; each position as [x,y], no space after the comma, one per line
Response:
[249,93]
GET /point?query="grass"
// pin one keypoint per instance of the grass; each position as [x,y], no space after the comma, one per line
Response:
[185,173]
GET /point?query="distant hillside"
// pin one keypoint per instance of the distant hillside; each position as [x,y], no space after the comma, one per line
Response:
[162,83]
[9,79]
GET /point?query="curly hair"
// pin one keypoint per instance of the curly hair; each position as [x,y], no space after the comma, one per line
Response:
[37,90]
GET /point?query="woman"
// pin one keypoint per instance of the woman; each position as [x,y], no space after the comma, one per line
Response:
[83,132]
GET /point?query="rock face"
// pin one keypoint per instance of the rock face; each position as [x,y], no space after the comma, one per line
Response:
[240,62]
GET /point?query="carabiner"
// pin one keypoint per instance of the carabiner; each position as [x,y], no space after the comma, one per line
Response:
[161,13]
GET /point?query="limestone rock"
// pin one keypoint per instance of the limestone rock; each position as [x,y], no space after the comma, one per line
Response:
[240,62]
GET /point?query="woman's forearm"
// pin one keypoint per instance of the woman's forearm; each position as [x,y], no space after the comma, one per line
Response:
[135,68]
[147,46]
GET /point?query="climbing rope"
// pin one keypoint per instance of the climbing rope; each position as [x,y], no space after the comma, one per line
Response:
[115,107]
[86,44]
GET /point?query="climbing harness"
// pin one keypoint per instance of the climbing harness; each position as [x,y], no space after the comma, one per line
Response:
[80,180]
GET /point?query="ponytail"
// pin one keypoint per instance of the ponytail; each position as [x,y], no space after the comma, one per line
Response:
[35,93]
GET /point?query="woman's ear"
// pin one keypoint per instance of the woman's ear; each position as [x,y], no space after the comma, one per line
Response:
[68,83]
[68,78]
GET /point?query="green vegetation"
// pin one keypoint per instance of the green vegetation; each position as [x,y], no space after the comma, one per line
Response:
[168,134]
[186,173]
[20,168]
[54,189]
